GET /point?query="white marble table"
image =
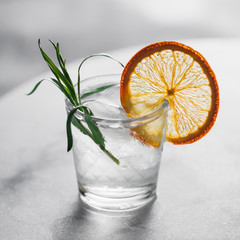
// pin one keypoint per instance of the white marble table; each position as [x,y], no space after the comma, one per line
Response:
[198,188]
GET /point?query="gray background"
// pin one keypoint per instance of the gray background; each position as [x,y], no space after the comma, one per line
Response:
[85,27]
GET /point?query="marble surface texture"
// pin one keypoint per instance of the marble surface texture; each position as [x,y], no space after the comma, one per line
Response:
[198,187]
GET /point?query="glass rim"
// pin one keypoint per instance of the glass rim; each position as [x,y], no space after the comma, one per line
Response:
[117,122]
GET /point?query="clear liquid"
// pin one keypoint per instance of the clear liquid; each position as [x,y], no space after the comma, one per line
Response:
[102,183]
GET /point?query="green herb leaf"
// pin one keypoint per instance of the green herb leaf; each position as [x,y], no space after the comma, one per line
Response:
[58,74]
[96,90]
[97,135]
[62,63]
[35,88]
[111,156]
[64,90]
[38,84]
[83,129]
[85,59]
[64,83]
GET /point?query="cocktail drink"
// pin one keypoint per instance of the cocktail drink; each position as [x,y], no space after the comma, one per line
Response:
[102,183]
[117,124]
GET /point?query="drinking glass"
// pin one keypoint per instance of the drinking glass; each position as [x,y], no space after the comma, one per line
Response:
[102,184]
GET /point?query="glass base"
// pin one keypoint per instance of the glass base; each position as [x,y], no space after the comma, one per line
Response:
[118,199]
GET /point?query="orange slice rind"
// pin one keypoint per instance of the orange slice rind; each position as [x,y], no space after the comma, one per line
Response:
[176,72]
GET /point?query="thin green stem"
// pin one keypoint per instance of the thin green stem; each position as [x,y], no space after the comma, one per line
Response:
[85,59]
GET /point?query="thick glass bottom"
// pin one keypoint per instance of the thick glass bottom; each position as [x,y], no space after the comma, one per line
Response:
[118,199]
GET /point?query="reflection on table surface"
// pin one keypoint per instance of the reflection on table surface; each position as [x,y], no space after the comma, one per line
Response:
[198,187]
[84,223]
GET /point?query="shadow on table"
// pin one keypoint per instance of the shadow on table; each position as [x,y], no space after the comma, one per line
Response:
[85,223]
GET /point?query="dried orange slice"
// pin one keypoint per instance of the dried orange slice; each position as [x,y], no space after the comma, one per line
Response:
[176,72]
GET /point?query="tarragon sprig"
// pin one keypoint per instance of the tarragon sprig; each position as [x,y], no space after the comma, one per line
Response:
[63,81]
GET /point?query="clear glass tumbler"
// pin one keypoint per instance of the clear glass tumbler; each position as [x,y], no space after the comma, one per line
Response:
[102,183]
